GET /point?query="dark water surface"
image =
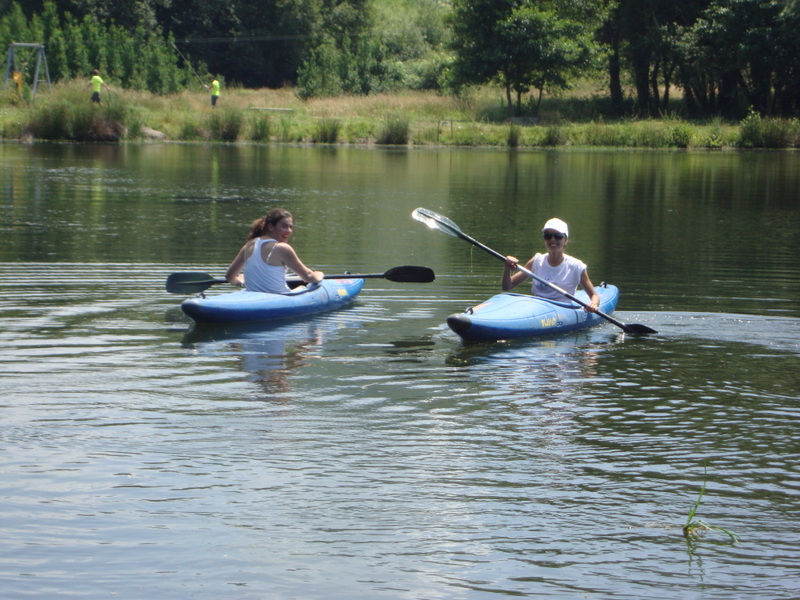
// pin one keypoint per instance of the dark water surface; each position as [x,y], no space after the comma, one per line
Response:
[367,453]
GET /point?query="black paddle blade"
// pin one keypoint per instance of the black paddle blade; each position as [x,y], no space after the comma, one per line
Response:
[638,329]
[436,221]
[190,283]
[410,274]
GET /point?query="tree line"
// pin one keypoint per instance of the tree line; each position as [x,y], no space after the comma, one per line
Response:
[690,57]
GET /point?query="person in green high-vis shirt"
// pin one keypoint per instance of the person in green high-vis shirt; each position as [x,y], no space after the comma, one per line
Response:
[96,83]
[214,92]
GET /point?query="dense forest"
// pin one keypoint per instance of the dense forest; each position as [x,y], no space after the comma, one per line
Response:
[692,57]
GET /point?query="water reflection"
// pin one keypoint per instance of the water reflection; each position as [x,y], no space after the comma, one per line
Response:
[270,362]
[384,458]
[269,354]
[531,363]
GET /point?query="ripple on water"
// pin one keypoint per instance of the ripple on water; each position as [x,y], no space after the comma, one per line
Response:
[369,449]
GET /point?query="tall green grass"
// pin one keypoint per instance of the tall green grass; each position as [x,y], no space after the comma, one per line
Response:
[72,116]
[760,132]
[514,137]
[260,128]
[396,131]
[327,131]
[225,125]
[66,113]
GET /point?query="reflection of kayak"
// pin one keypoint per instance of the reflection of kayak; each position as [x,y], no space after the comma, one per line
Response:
[507,316]
[242,306]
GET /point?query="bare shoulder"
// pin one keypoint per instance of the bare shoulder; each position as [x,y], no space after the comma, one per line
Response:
[283,249]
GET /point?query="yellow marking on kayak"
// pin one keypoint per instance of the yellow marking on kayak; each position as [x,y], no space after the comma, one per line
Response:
[479,306]
[549,322]
[343,292]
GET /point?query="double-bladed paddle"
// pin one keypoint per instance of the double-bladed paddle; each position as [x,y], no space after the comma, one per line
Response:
[193,283]
[436,221]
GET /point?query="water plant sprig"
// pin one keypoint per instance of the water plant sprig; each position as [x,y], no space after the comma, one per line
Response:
[697,528]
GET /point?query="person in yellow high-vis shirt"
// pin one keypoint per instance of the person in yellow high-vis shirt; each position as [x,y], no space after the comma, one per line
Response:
[214,92]
[96,83]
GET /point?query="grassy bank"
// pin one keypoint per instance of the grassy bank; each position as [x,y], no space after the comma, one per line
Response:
[411,118]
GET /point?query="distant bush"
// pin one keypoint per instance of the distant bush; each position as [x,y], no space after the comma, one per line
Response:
[51,121]
[326,131]
[759,132]
[396,131]
[555,135]
[190,129]
[226,125]
[68,114]
[260,128]
[681,135]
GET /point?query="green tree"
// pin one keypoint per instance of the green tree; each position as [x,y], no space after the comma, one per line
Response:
[14,27]
[264,43]
[787,68]
[319,74]
[141,57]
[742,77]
[524,44]
[128,14]
[413,35]
[644,36]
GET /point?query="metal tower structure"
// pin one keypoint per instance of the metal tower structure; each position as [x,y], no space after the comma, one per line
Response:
[13,68]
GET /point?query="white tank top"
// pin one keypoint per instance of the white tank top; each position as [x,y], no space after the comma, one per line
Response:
[261,277]
[567,276]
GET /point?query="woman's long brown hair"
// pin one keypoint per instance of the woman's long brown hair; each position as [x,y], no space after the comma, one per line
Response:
[273,217]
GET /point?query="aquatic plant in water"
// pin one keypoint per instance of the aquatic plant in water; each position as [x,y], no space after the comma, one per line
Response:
[697,528]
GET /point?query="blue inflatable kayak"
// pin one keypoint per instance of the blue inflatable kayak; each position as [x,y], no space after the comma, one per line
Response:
[508,316]
[243,306]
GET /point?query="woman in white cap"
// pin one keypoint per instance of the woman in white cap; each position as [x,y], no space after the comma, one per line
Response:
[563,270]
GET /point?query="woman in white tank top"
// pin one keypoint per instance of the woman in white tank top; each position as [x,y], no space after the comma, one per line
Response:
[557,267]
[262,262]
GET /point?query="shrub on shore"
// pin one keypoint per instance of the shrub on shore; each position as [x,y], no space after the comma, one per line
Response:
[260,128]
[65,113]
[71,116]
[225,125]
[327,131]
[758,132]
[396,131]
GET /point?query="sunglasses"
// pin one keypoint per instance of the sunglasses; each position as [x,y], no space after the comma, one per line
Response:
[553,236]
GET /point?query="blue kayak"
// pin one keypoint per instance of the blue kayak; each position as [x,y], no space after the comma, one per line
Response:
[244,306]
[508,316]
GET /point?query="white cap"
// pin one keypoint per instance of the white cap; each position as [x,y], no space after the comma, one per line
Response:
[557,225]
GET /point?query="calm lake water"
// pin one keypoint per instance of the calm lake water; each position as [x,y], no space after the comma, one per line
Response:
[367,453]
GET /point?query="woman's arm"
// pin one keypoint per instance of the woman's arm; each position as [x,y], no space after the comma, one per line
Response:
[234,273]
[289,257]
[511,280]
[594,299]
